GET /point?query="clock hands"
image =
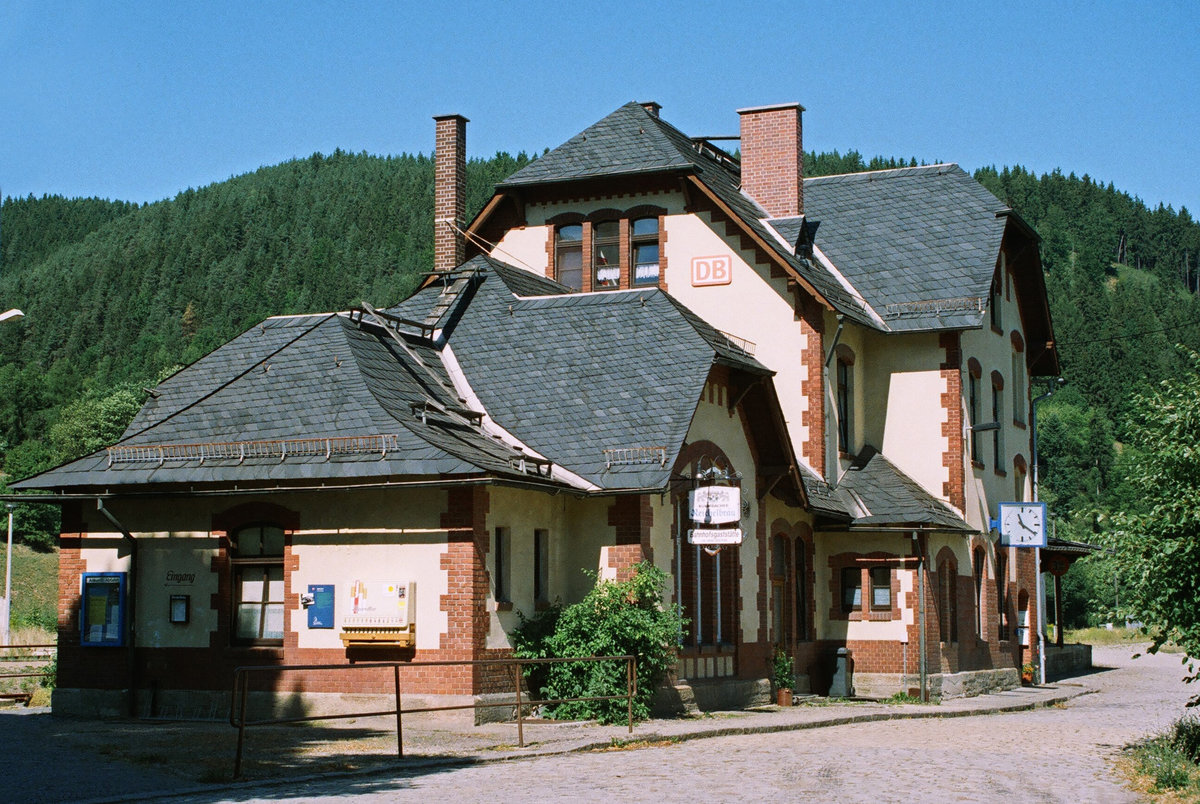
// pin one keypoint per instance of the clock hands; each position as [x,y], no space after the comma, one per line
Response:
[1021,522]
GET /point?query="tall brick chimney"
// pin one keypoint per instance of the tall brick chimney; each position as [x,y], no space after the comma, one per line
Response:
[773,158]
[449,190]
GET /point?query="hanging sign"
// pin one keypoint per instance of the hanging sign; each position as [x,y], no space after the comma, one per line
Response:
[715,536]
[715,505]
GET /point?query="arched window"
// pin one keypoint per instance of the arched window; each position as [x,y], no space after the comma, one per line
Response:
[974,373]
[256,563]
[779,567]
[606,255]
[568,255]
[801,590]
[1023,618]
[948,600]
[644,246]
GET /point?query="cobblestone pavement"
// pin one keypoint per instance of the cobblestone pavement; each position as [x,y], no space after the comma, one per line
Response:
[1056,754]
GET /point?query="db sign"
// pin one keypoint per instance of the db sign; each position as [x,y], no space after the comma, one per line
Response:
[712,271]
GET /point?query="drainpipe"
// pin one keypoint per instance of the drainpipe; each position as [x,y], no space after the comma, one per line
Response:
[831,464]
[132,612]
[924,663]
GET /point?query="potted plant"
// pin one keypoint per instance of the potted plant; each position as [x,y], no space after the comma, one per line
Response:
[1027,674]
[784,678]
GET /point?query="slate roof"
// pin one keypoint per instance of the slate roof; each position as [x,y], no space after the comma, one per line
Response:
[569,375]
[876,493]
[920,244]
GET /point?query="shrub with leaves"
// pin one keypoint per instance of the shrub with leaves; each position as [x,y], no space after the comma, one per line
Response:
[616,618]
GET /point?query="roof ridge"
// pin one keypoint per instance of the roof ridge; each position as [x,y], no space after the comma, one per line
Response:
[887,173]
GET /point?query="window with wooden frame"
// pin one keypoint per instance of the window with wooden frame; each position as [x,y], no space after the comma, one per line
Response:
[1020,400]
[974,374]
[779,572]
[643,243]
[844,381]
[851,578]
[541,568]
[997,317]
[979,565]
[998,417]
[948,601]
[256,567]
[606,255]
[568,255]
[801,590]
[1001,594]
[501,565]
[881,588]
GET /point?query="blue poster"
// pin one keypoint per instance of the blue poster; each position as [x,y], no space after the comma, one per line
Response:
[320,613]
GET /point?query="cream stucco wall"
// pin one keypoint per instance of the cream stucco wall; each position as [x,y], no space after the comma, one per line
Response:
[827,545]
[525,247]
[753,306]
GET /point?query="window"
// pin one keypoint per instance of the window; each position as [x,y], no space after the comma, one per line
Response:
[948,601]
[568,255]
[644,243]
[844,404]
[606,255]
[257,570]
[707,585]
[801,591]
[779,562]
[541,567]
[997,416]
[1019,400]
[997,299]
[1001,594]
[979,565]
[501,564]
[974,371]
[881,588]
[1019,479]
[851,589]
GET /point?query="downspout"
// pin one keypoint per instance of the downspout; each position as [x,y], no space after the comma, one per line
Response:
[831,465]
[132,612]
[921,544]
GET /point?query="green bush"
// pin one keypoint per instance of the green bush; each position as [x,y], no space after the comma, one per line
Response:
[616,618]
[784,673]
[1185,736]
[1164,764]
[531,640]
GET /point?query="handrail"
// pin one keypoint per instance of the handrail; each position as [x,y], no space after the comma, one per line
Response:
[241,684]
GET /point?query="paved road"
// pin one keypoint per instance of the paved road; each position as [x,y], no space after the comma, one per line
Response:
[1051,755]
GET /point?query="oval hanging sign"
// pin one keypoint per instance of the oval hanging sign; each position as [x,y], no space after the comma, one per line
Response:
[716,505]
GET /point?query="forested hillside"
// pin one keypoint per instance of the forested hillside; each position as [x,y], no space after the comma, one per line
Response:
[115,294]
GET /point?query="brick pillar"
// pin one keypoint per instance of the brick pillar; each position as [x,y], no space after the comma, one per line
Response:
[450,194]
[812,324]
[773,158]
[465,601]
[954,489]
[631,517]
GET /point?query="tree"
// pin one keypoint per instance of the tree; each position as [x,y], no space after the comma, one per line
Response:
[1157,544]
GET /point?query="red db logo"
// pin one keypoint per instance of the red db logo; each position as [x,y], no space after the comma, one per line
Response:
[711,271]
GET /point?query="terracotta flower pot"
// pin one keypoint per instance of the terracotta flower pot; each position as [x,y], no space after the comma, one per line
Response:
[783,697]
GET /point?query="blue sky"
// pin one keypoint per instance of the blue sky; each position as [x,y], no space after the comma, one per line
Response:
[138,101]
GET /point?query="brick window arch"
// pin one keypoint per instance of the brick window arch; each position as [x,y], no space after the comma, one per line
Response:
[253,592]
[947,595]
[979,570]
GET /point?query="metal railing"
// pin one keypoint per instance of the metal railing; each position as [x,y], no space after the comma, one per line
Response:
[241,690]
[42,653]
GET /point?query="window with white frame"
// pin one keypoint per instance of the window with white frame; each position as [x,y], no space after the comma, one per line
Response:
[256,565]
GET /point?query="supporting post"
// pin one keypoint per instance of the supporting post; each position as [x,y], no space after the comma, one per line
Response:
[399,716]
[630,686]
[8,559]
[520,714]
[924,663]
[241,677]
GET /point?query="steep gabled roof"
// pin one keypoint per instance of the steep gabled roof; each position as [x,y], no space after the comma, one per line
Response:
[920,244]
[631,141]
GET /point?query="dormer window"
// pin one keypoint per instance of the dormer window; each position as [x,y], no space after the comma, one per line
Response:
[606,255]
[644,243]
[568,255]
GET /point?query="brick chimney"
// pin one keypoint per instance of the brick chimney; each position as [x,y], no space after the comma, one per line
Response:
[449,190]
[652,107]
[773,158]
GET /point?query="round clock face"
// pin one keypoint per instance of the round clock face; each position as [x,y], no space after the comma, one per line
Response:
[1022,523]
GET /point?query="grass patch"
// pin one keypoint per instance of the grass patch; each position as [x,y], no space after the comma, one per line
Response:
[1167,765]
[1105,636]
[619,744]
[35,588]
[904,698]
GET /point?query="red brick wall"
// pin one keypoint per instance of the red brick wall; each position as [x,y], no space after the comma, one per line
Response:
[450,198]
[773,158]
[812,324]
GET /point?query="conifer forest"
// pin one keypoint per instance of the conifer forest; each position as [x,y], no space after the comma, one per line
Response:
[118,295]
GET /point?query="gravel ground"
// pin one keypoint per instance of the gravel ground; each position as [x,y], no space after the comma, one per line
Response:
[1063,753]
